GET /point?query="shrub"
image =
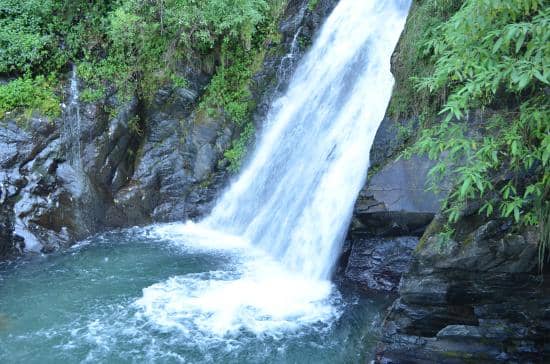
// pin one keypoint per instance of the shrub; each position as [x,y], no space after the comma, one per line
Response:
[32,94]
[492,54]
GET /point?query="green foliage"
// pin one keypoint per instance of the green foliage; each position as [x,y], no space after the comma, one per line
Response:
[135,45]
[41,36]
[25,41]
[134,125]
[444,237]
[31,94]
[411,62]
[229,90]
[492,54]
[235,155]
[92,94]
[146,40]
[312,4]
[38,38]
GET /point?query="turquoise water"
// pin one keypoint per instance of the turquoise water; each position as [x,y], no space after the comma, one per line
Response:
[140,296]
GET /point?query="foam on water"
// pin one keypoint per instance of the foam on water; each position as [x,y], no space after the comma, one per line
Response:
[259,296]
[201,304]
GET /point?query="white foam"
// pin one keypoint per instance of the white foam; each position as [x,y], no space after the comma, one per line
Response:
[198,236]
[260,296]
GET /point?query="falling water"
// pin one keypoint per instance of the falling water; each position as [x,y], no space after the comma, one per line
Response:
[289,60]
[296,195]
[287,212]
[72,124]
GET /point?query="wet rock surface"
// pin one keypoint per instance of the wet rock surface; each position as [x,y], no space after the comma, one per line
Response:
[395,200]
[379,263]
[479,298]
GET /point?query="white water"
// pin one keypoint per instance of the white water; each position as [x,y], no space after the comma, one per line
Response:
[287,213]
[72,125]
[73,122]
[296,196]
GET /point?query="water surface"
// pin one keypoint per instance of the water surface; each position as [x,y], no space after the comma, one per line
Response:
[170,294]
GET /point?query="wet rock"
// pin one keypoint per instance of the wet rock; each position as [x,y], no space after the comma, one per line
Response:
[180,170]
[7,242]
[378,263]
[478,297]
[119,162]
[390,139]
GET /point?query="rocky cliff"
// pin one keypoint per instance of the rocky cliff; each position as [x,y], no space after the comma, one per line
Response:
[118,162]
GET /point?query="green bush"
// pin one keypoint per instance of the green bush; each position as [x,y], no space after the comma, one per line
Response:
[31,94]
[312,4]
[411,62]
[133,43]
[492,55]
[145,40]
[25,41]
[229,90]
[239,148]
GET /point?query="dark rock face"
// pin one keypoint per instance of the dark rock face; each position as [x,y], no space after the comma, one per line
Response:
[180,170]
[395,201]
[475,298]
[50,200]
[390,139]
[178,163]
[378,263]
[391,212]
[478,299]
[7,243]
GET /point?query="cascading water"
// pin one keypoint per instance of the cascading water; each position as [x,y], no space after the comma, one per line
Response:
[290,207]
[288,61]
[296,196]
[72,124]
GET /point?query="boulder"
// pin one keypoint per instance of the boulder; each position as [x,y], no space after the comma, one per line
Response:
[378,263]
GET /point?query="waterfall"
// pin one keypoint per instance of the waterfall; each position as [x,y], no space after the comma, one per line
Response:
[288,61]
[72,125]
[285,216]
[295,196]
